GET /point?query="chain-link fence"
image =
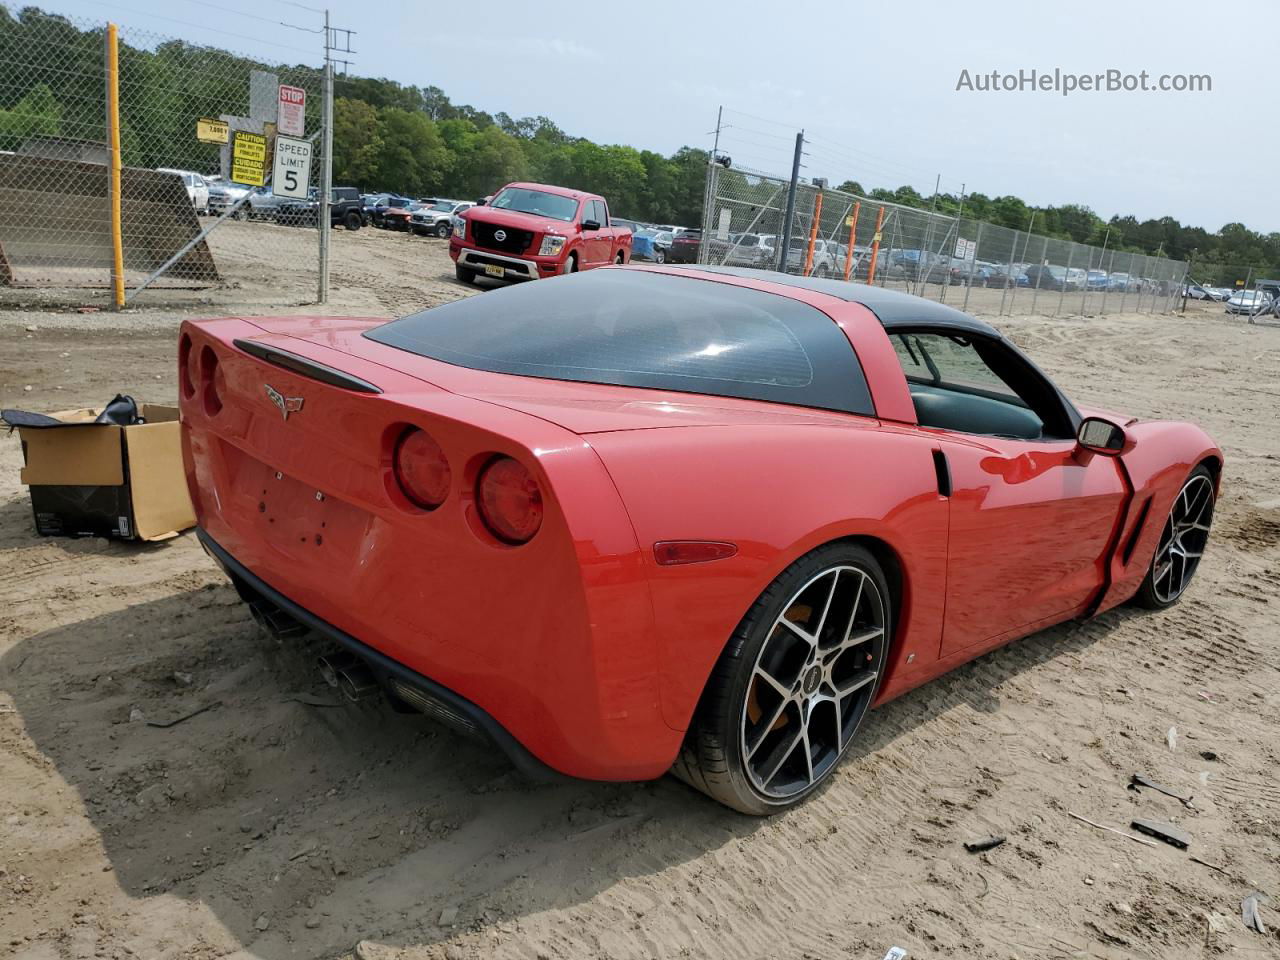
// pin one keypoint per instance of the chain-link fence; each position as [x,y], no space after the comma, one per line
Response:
[195,130]
[976,266]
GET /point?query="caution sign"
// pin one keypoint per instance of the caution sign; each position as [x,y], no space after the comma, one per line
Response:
[249,158]
[292,171]
[209,130]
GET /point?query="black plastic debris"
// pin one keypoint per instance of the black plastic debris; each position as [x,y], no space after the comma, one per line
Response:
[1138,781]
[986,843]
[1164,831]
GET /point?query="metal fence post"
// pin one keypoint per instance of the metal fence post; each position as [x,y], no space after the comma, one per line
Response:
[1066,278]
[1035,290]
[1008,277]
[326,172]
[785,239]
[973,262]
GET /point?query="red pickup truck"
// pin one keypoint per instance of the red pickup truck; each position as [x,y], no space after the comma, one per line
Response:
[531,230]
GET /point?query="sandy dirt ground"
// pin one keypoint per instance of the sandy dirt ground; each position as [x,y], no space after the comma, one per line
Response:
[279,823]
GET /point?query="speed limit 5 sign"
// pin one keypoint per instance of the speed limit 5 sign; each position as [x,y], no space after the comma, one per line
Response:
[291,174]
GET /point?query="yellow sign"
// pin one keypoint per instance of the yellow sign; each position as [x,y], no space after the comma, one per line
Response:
[249,158]
[876,238]
[211,131]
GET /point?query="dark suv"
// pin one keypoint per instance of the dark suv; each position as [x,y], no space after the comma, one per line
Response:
[344,209]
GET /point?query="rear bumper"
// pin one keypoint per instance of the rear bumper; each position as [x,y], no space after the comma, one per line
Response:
[431,698]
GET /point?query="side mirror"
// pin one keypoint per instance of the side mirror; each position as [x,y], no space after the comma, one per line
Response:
[482,201]
[1100,436]
[590,224]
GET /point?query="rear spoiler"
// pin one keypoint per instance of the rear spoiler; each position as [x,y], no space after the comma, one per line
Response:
[304,366]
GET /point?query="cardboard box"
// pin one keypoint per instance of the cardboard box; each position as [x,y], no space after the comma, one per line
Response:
[101,480]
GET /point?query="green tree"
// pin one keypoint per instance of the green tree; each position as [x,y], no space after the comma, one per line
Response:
[36,114]
[413,157]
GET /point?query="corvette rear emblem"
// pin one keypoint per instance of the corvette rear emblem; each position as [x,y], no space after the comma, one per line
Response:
[287,405]
[499,235]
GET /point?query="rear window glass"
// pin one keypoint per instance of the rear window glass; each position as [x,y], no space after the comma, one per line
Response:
[640,329]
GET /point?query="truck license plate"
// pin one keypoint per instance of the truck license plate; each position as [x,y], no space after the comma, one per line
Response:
[493,270]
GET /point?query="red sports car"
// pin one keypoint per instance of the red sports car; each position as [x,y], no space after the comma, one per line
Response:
[653,519]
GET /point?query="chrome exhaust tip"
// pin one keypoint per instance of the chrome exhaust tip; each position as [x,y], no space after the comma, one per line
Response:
[357,681]
[332,664]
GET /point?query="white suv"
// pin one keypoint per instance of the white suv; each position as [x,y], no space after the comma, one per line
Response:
[437,219]
[197,188]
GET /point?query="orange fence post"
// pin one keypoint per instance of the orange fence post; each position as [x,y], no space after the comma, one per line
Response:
[875,247]
[113,166]
[853,228]
[813,234]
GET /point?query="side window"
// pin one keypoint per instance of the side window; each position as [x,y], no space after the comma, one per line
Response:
[972,385]
[598,213]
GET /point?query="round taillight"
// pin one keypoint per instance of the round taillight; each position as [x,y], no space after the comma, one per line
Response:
[210,381]
[510,501]
[185,363]
[421,469]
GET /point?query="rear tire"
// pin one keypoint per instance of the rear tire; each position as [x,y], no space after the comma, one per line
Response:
[809,654]
[620,259]
[464,274]
[659,256]
[1183,537]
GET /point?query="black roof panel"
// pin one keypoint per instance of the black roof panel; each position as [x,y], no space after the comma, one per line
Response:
[893,308]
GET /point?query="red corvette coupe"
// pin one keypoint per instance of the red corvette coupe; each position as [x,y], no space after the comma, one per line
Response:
[646,519]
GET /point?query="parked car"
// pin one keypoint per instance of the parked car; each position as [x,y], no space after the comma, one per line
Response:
[1122,283]
[344,209]
[1096,280]
[385,202]
[532,230]
[651,244]
[196,186]
[685,246]
[223,194]
[488,509]
[1050,277]
[263,204]
[1197,292]
[635,226]
[749,250]
[400,218]
[1250,302]
[437,219]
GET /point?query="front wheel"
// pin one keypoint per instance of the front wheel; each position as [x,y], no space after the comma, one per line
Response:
[571,265]
[464,274]
[791,687]
[1182,541]
[443,230]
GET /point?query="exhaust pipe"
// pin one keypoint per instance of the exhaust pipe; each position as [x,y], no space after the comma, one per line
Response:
[349,674]
[275,622]
[330,664]
[357,681]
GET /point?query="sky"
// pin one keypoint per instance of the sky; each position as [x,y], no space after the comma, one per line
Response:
[873,85]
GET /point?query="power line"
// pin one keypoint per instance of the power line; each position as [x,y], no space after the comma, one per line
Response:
[254,16]
[197,26]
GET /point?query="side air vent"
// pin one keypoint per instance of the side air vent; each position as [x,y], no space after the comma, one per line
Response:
[312,369]
[1137,532]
